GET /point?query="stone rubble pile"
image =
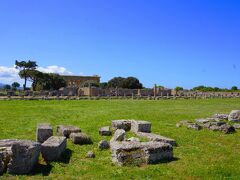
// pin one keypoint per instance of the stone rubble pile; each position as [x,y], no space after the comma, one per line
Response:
[132,151]
[219,122]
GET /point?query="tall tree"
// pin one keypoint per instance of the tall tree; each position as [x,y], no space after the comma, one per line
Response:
[24,69]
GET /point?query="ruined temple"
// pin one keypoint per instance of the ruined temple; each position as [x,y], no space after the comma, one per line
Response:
[78,81]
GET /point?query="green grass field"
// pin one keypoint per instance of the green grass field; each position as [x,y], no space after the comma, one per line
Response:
[200,154]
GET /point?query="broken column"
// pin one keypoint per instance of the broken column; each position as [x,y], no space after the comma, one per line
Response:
[44,131]
[53,148]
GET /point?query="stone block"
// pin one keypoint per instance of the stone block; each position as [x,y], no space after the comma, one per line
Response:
[80,138]
[194,126]
[105,131]
[156,137]
[63,130]
[157,151]
[236,126]
[121,124]
[227,129]
[44,131]
[137,153]
[119,135]
[221,116]
[141,126]
[22,156]
[234,116]
[53,148]
[103,145]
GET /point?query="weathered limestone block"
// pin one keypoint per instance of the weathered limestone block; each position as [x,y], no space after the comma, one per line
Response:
[128,153]
[103,145]
[141,126]
[194,126]
[80,138]
[63,130]
[136,153]
[227,129]
[220,126]
[53,148]
[213,125]
[105,131]
[221,116]
[157,151]
[121,124]
[156,137]
[44,131]
[234,116]
[24,156]
[119,135]
[236,126]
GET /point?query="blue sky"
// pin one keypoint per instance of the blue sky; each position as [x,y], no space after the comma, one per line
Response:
[167,42]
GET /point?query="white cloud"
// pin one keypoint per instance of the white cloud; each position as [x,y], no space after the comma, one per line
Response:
[55,69]
[8,75]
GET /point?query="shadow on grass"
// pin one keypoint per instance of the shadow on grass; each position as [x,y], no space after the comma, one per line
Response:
[42,169]
[165,161]
[66,156]
[45,169]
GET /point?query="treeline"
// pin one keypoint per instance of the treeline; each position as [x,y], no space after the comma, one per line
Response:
[208,89]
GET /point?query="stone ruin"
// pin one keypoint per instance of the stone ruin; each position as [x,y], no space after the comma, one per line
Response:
[226,123]
[134,152]
[21,156]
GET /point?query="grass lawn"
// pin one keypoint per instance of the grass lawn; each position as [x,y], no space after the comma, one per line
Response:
[202,154]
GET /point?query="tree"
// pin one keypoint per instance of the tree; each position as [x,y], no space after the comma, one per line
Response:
[178,88]
[15,85]
[103,85]
[46,81]
[24,68]
[129,83]
[116,82]
[234,88]
[132,83]
[7,87]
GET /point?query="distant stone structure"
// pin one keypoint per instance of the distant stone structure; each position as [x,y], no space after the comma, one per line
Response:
[78,81]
